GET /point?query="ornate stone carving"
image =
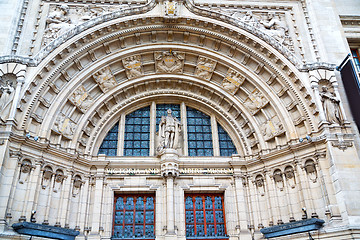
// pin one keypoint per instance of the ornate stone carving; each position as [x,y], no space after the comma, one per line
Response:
[64,126]
[331,106]
[105,79]
[255,101]
[133,66]
[274,26]
[77,185]
[169,131]
[310,169]
[81,99]
[59,178]
[25,170]
[278,178]
[171,8]
[46,179]
[169,62]
[259,183]
[272,128]
[205,67]
[232,81]
[290,176]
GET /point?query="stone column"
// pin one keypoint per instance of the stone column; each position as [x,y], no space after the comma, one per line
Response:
[170,170]
[96,213]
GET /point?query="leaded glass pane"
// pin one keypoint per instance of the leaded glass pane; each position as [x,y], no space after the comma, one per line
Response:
[190,231]
[200,230]
[109,144]
[199,133]
[189,203]
[137,133]
[227,147]
[198,203]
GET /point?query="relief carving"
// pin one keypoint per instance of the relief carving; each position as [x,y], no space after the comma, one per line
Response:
[64,126]
[133,66]
[259,183]
[46,179]
[232,81]
[105,79]
[275,27]
[255,101]
[25,170]
[272,128]
[59,178]
[171,8]
[310,169]
[290,176]
[81,99]
[205,67]
[169,62]
[77,185]
[278,178]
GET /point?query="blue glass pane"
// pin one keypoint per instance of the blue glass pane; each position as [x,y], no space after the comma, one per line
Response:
[139,217]
[209,216]
[149,203]
[109,144]
[190,231]
[137,133]
[149,217]
[189,203]
[208,203]
[199,133]
[220,228]
[119,218]
[149,231]
[198,203]
[128,232]
[210,230]
[139,203]
[118,232]
[129,217]
[219,216]
[189,217]
[218,204]
[129,203]
[227,147]
[199,216]
[139,231]
[200,230]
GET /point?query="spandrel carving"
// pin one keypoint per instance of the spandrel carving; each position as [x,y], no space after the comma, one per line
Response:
[171,8]
[105,79]
[64,126]
[273,26]
[81,99]
[133,66]
[255,101]
[232,81]
[169,62]
[205,67]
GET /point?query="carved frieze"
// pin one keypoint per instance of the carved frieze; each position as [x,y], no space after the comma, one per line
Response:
[272,128]
[133,66]
[105,79]
[255,101]
[169,62]
[64,126]
[204,68]
[81,98]
[232,81]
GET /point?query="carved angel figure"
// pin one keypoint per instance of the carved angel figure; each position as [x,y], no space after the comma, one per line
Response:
[331,106]
[133,66]
[105,79]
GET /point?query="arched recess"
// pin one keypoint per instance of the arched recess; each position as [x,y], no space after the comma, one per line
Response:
[256,68]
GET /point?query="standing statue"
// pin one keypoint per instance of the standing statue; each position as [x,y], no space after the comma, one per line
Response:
[7,95]
[169,129]
[331,106]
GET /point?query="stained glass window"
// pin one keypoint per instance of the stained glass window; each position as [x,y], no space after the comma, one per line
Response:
[161,110]
[227,147]
[134,217]
[204,216]
[199,133]
[109,145]
[137,133]
[356,57]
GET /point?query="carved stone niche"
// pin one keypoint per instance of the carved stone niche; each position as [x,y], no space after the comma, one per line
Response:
[290,176]
[77,185]
[169,62]
[279,180]
[259,183]
[7,91]
[46,179]
[25,170]
[310,168]
[59,178]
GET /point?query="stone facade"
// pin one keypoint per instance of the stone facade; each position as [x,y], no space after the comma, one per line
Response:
[263,71]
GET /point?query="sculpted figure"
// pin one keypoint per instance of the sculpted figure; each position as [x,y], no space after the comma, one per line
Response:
[81,98]
[7,94]
[169,62]
[205,68]
[58,23]
[274,27]
[105,79]
[133,66]
[64,126]
[169,129]
[250,19]
[229,86]
[255,101]
[331,106]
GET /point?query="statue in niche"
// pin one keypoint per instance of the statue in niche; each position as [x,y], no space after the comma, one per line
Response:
[59,178]
[105,79]
[331,106]
[279,181]
[77,185]
[290,176]
[274,27]
[255,101]
[169,62]
[81,99]
[46,179]
[205,67]
[25,170]
[259,182]
[169,129]
[133,66]
[7,94]
[65,126]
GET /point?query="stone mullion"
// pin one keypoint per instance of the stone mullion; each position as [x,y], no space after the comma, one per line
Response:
[51,185]
[159,211]
[35,185]
[109,211]
[67,196]
[270,198]
[181,223]
[215,136]
[184,128]
[231,213]
[152,128]
[121,135]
